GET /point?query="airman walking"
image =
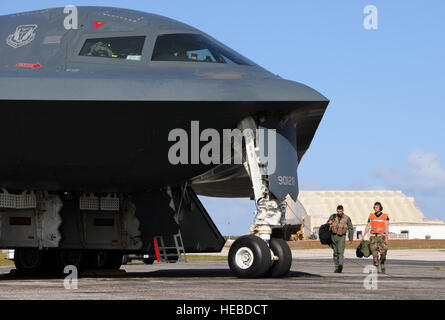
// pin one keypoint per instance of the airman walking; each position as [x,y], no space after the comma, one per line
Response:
[339,224]
[378,222]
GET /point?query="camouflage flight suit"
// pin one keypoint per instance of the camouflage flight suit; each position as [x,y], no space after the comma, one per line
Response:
[378,246]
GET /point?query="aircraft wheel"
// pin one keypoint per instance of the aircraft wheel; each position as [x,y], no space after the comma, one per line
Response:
[114,260]
[50,262]
[29,261]
[96,259]
[282,266]
[149,260]
[249,257]
[73,257]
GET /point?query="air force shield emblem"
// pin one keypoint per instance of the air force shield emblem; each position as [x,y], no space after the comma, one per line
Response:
[23,35]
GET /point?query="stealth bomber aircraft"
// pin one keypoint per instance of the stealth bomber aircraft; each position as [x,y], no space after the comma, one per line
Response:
[90,112]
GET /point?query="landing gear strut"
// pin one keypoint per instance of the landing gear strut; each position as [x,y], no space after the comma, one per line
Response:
[258,254]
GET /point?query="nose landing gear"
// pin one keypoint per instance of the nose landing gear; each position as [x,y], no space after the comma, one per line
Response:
[258,254]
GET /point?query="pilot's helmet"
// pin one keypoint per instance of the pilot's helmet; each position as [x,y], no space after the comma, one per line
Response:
[101,49]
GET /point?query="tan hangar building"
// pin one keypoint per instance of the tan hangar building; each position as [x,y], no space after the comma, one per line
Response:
[406,219]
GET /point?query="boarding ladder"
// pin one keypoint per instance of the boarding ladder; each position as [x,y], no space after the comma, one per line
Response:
[173,253]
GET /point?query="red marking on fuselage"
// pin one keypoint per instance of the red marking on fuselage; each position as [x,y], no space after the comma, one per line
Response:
[28,65]
[98,24]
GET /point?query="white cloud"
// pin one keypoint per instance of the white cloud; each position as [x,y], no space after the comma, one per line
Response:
[423,174]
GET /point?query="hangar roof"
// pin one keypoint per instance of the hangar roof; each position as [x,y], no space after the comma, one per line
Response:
[319,205]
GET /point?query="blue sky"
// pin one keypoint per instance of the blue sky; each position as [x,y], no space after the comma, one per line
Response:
[385,125]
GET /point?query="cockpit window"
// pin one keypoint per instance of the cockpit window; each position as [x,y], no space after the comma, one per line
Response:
[192,48]
[128,48]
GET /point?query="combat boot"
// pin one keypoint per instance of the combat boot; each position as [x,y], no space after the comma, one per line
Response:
[382,266]
[340,269]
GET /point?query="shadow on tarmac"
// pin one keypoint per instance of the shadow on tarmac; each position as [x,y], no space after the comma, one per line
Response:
[176,273]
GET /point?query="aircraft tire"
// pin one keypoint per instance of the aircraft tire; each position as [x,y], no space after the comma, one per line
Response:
[114,260]
[72,257]
[282,266]
[96,259]
[249,257]
[149,260]
[29,261]
[50,263]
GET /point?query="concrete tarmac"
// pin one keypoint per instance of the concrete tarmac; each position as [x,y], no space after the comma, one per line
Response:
[311,277]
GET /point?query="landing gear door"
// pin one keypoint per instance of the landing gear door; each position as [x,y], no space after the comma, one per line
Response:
[198,231]
[280,157]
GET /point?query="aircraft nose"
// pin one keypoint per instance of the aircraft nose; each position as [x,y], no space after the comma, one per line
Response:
[286,90]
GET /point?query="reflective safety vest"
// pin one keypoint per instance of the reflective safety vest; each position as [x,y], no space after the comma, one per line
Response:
[378,223]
